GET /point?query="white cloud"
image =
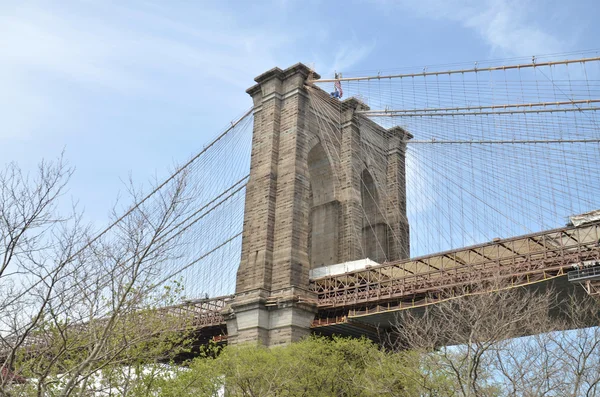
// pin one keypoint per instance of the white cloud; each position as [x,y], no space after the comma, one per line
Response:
[51,57]
[351,53]
[119,57]
[41,42]
[508,27]
[47,54]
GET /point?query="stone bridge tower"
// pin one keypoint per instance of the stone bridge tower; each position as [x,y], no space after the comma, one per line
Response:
[315,197]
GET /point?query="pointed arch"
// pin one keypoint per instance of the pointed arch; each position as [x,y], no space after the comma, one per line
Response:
[374,232]
[323,221]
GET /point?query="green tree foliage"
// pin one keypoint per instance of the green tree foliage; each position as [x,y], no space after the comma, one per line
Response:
[312,367]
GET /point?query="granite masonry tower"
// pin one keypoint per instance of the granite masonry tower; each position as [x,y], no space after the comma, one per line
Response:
[312,200]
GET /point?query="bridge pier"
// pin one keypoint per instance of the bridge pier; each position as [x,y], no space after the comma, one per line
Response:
[311,188]
[269,320]
[273,275]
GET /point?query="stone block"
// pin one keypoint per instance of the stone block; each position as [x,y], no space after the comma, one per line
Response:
[323,189]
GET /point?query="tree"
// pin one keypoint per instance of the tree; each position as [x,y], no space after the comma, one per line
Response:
[76,308]
[312,367]
[562,362]
[458,337]
[495,340]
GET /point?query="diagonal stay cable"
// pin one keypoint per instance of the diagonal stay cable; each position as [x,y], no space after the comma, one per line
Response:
[166,181]
[138,204]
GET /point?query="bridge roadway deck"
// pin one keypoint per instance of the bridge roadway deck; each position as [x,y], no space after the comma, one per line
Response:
[370,293]
[524,256]
[203,316]
[365,296]
[354,303]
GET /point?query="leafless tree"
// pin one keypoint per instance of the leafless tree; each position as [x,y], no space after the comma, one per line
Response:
[497,340]
[30,230]
[562,362]
[72,306]
[459,335]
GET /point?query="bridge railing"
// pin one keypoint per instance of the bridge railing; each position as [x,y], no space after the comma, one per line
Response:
[523,259]
[201,312]
[584,274]
[186,316]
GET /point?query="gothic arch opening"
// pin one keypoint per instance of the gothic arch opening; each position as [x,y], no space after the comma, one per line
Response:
[374,228]
[323,220]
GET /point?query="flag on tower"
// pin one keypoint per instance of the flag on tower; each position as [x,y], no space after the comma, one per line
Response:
[338,88]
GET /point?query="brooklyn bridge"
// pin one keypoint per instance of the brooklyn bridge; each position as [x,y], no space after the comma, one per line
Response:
[334,203]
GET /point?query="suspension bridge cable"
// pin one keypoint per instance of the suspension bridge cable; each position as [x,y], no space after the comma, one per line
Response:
[460,71]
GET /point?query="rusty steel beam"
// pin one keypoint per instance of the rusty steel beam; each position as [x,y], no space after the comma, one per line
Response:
[553,255]
[203,313]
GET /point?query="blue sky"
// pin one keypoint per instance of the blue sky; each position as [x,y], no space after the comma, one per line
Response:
[137,86]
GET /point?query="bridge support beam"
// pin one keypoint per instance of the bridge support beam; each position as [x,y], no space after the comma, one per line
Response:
[270,306]
[311,200]
[268,320]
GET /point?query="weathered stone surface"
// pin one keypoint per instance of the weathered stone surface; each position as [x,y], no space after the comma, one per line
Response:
[315,197]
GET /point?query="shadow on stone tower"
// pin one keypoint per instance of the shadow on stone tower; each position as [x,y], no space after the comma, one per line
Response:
[326,186]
